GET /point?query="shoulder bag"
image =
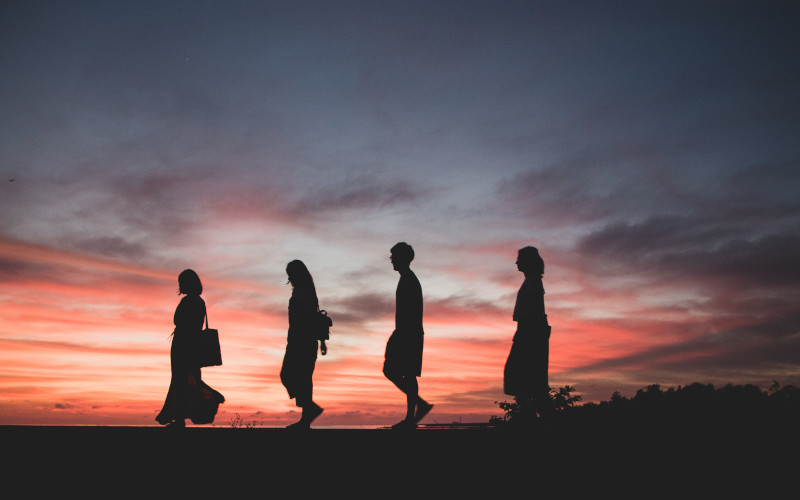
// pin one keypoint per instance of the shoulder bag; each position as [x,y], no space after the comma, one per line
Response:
[208,351]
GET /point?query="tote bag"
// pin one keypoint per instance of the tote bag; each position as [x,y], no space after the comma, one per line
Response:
[208,351]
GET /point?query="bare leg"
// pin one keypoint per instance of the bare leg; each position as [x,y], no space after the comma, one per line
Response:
[412,396]
[416,407]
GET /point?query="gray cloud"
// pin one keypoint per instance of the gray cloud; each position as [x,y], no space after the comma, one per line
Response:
[751,352]
[464,306]
[362,308]
[587,188]
[111,247]
[691,247]
[357,194]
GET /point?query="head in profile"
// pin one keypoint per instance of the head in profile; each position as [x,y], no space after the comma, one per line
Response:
[401,256]
[530,262]
[298,275]
[189,283]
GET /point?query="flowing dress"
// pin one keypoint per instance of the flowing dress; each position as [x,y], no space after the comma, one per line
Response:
[188,396]
[525,372]
[301,347]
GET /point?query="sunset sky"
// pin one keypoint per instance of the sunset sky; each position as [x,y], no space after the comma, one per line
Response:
[650,150]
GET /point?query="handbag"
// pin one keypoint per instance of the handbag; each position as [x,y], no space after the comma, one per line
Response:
[322,325]
[208,351]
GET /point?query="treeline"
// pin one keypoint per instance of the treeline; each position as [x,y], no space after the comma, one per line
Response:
[695,403]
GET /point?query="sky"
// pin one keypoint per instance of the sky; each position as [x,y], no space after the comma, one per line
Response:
[649,150]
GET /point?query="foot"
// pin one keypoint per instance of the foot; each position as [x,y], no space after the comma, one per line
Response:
[176,424]
[312,413]
[422,409]
[405,424]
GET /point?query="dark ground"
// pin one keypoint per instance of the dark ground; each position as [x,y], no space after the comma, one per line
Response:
[565,459]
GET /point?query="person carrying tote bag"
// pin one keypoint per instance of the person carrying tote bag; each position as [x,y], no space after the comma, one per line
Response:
[188,396]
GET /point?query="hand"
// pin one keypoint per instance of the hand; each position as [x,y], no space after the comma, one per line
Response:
[323,349]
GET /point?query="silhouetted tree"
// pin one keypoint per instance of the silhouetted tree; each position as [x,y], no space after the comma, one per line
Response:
[560,401]
[679,406]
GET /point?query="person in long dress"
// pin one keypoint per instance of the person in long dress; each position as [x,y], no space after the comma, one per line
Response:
[188,396]
[301,344]
[526,370]
[403,358]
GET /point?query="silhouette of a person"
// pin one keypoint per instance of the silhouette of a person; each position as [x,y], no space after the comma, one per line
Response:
[525,375]
[403,358]
[188,396]
[301,344]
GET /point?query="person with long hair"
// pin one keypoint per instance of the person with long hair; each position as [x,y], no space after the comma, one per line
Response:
[525,375]
[302,344]
[188,396]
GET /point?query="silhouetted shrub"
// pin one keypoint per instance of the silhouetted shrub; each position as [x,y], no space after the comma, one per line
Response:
[695,403]
[518,412]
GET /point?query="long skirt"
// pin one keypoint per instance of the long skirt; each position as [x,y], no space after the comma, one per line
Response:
[188,396]
[298,369]
[525,373]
